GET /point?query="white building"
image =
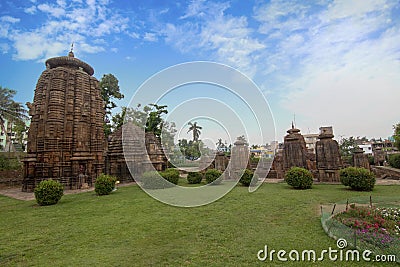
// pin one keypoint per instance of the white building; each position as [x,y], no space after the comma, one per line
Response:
[12,136]
[367,148]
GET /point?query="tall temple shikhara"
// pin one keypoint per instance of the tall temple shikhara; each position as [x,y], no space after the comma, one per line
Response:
[66,139]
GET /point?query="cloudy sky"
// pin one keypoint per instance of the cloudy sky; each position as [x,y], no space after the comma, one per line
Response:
[331,63]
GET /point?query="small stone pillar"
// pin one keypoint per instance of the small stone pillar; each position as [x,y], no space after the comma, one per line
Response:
[360,159]
[239,156]
[379,156]
[328,157]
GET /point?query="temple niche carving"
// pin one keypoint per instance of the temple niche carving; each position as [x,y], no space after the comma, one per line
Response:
[329,161]
[66,140]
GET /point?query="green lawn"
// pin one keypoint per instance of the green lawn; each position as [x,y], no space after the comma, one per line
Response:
[129,228]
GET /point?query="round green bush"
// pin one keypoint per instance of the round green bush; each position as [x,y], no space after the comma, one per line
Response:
[171,175]
[212,176]
[246,178]
[194,177]
[394,161]
[346,174]
[299,178]
[48,192]
[104,184]
[358,179]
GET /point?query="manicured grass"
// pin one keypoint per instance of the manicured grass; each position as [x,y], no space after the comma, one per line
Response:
[129,228]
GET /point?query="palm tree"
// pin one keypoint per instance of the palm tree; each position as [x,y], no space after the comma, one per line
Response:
[195,129]
[10,110]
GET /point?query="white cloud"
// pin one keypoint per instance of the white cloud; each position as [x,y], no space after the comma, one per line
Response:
[342,70]
[52,10]
[9,19]
[206,28]
[150,37]
[81,22]
[4,48]
[30,10]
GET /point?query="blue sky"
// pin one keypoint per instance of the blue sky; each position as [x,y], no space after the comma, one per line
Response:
[331,63]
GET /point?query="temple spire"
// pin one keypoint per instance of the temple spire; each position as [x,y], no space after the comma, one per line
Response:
[71,53]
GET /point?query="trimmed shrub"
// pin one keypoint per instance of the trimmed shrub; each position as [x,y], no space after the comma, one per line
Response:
[299,178]
[212,175]
[48,192]
[247,177]
[358,179]
[194,177]
[394,161]
[171,175]
[346,175]
[104,184]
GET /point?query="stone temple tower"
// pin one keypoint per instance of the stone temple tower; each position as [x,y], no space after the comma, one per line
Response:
[66,140]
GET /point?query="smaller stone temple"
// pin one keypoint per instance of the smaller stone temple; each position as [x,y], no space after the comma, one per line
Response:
[379,156]
[294,150]
[131,152]
[360,159]
[240,154]
[329,161]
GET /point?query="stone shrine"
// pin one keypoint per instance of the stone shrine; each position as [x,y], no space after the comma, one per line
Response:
[328,157]
[66,139]
[379,156]
[294,150]
[240,154]
[360,159]
[139,152]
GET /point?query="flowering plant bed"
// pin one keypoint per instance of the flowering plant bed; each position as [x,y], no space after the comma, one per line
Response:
[378,226]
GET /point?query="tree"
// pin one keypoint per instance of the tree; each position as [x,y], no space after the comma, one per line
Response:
[220,145]
[396,135]
[347,146]
[10,110]
[109,89]
[195,130]
[154,121]
[20,129]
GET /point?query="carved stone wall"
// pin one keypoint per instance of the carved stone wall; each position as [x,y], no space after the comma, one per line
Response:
[66,139]
[328,157]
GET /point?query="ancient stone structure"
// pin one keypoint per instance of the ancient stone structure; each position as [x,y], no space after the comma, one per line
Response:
[294,150]
[379,156]
[328,158]
[277,171]
[155,152]
[360,159]
[66,139]
[239,159]
[221,161]
[140,151]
